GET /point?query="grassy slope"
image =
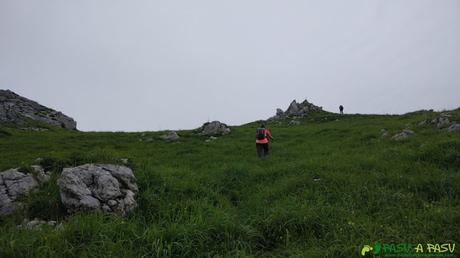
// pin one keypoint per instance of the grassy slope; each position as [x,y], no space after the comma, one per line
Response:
[201,199]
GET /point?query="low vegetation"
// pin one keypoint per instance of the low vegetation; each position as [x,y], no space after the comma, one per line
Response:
[329,186]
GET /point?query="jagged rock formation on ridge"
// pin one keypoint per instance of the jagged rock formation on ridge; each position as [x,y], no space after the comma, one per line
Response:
[297,109]
[18,110]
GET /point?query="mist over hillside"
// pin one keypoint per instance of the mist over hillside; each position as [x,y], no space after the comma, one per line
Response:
[172,65]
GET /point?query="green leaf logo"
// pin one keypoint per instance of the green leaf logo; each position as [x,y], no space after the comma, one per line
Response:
[366,248]
[377,248]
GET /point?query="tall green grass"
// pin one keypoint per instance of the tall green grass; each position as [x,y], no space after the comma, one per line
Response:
[329,186]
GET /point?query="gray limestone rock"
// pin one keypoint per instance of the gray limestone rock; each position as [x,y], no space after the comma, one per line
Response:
[296,110]
[454,128]
[18,110]
[214,128]
[106,187]
[14,184]
[441,121]
[402,135]
[171,136]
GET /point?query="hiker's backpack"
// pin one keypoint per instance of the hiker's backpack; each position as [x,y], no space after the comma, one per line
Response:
[260,133]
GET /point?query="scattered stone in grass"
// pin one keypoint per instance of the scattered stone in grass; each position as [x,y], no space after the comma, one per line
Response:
[36,223]
[402,135]
[170,136]
[454,128]
[422,123]
[14,184]
[294,122]
[212,138]
[33,129]
[41,175]
[384,133]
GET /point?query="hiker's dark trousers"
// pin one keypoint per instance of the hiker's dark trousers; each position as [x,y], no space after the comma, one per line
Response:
[262,149]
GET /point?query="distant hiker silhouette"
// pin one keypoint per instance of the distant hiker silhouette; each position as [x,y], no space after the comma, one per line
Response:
[263,136]
[341,109]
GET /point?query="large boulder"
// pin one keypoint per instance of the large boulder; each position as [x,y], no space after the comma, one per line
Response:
[14,184]
[18,110]
[106,187]
[214,128]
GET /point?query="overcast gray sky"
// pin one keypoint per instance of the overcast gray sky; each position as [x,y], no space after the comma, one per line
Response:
[149,65]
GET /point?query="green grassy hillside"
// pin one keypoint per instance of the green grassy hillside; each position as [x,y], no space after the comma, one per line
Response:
[329,186]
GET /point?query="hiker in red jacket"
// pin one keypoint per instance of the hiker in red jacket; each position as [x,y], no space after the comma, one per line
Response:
[263,136]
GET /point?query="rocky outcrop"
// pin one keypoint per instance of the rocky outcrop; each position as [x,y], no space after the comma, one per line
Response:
[441,121]
[279,112]
[105,187]
[17,110]
[14,184]
[214,128]
[297,109]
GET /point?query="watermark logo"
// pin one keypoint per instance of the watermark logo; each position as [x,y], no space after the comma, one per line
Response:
[375,249]
[409,250]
